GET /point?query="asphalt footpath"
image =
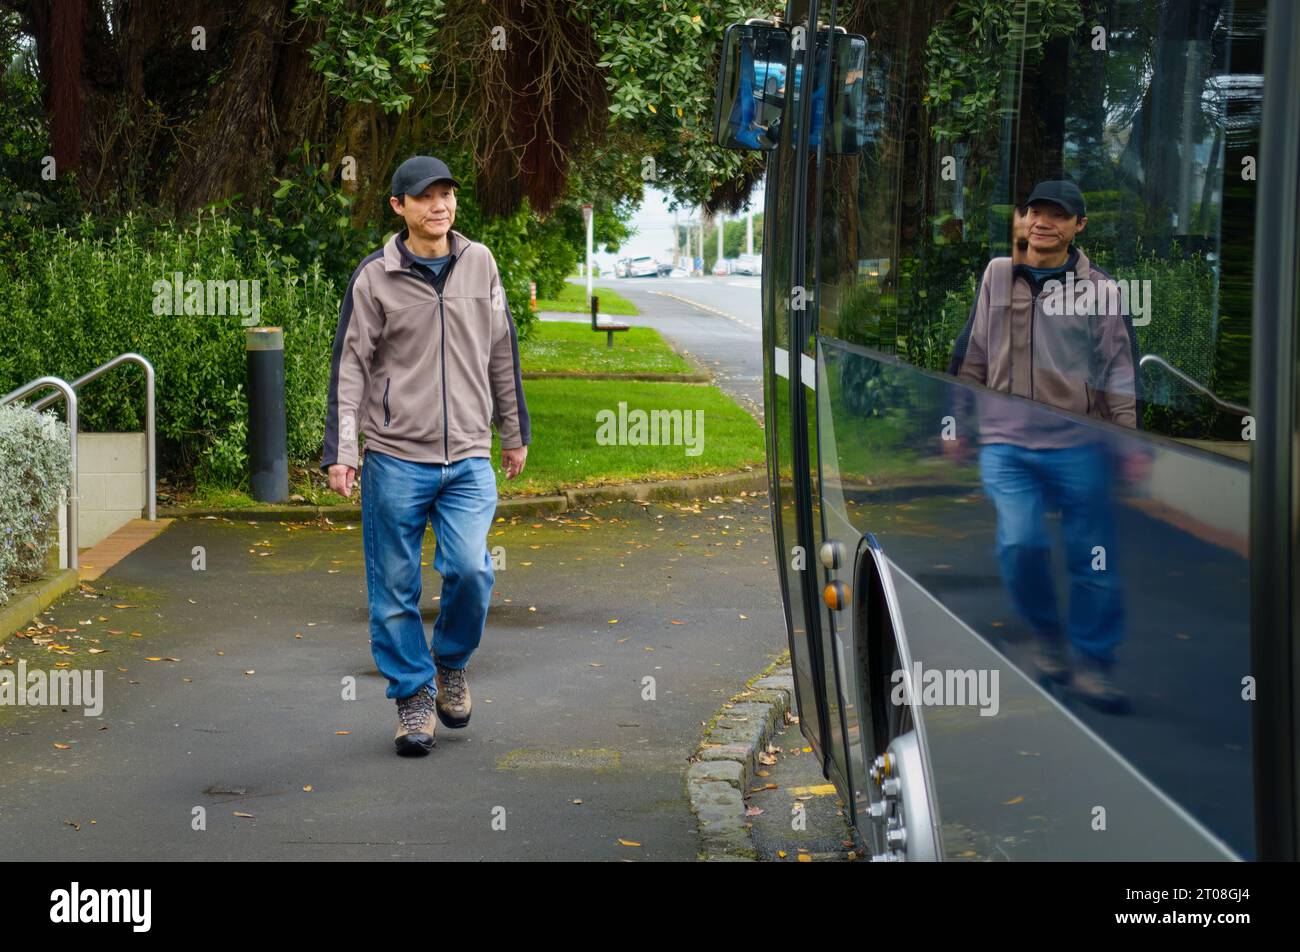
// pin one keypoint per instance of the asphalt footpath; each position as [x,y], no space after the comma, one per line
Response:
[243,717]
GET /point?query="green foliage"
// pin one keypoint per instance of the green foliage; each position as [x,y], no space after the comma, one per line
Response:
[28,202]
[309,220]
[36,462]
[969,50]
[74,300]
[661,60]
[372,57]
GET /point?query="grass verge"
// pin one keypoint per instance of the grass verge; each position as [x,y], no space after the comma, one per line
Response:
[573,297]
[561,346]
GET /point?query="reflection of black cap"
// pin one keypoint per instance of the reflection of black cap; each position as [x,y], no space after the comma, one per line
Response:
[1063,192]
[419,172]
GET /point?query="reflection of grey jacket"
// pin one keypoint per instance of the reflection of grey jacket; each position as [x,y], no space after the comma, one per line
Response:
[1082,364]
[424,369]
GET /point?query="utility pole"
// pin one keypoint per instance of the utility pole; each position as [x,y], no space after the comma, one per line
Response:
[677,242]
[721,221]
[587,214]
[701,239]
[749,231]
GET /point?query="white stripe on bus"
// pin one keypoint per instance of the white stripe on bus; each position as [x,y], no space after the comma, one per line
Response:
[807,367]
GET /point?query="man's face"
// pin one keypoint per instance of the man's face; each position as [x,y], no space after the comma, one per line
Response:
[1051,228]
[430,214]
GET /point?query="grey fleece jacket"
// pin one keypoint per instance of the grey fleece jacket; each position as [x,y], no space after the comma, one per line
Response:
[425,368]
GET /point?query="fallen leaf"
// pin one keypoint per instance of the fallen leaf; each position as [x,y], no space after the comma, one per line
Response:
[623,842]
[245,816]
[1013,801]
[63,747]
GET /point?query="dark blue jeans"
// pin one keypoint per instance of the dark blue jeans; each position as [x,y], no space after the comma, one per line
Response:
[397,499]
[1023,484]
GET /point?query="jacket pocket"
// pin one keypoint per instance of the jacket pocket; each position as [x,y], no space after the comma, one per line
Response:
[387,380]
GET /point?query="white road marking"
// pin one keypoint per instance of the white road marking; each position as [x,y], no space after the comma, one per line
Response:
[712,310]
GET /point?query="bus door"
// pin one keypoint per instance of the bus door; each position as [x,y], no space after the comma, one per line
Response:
[772,95]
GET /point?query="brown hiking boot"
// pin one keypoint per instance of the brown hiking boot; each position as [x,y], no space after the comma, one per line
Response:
[452,700]
[1048,656]
[1094,686]
[416,725]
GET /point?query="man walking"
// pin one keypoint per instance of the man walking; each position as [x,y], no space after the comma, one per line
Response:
[1032,461]
[425,361]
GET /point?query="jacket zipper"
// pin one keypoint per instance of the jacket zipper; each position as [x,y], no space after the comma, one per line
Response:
[446,415]
[387,380]
[442,313]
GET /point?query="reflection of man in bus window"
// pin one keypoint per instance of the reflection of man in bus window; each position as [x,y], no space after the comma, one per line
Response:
[1033,461]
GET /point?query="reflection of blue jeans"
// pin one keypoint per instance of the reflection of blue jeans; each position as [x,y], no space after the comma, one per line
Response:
[397,499]
[1023,483]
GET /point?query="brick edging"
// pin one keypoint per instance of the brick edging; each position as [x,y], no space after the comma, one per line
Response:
[722,766]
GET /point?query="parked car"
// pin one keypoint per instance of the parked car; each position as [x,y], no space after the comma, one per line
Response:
[620,268]
[722,267]
[643,267]
[748,264]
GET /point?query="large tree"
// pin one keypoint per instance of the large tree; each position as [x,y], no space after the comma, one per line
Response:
[184,103]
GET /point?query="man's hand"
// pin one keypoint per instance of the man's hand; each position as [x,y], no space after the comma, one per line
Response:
[957,450]
[512,461]
[341,476]
[1136,467]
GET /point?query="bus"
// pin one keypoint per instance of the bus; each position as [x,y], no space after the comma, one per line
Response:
[1030,354]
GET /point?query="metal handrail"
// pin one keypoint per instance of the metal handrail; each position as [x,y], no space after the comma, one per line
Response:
[151,470]
[1200,388]
[74,488]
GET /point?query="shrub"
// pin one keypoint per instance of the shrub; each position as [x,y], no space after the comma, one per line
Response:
[36,463]
[72,301]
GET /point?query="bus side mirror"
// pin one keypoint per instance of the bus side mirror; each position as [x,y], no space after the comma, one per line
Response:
[751,87]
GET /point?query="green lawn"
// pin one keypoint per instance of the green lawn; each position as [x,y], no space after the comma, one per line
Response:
[557,346]
[565,452]
[573,297]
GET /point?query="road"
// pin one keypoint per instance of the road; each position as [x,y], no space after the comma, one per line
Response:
[717,320]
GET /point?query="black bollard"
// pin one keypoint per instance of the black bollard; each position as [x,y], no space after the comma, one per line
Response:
[267,440]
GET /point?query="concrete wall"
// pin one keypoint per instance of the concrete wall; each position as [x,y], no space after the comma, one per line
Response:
[111,469]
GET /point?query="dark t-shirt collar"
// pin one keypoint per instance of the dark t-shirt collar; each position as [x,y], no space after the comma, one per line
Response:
[1035,283]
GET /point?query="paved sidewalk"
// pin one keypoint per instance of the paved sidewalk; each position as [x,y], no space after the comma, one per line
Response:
[224,695]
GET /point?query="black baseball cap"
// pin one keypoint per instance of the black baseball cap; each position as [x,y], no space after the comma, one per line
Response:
[419,172]
[1063,192]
